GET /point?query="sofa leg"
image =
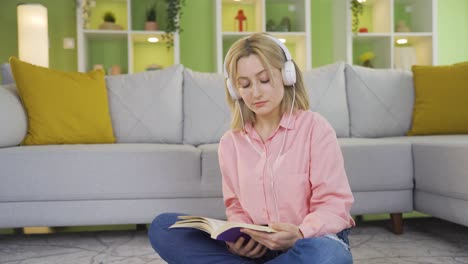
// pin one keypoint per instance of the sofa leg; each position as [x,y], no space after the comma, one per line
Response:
[397,223]
[141,227]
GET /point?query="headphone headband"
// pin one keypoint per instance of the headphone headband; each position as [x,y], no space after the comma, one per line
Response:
[288,70]
[282,46]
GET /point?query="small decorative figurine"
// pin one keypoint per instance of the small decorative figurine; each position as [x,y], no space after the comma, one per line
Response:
[241,18]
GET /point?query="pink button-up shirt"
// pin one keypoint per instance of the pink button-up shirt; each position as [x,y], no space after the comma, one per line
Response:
[306,185]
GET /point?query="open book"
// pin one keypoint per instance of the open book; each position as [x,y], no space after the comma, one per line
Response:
[218,229]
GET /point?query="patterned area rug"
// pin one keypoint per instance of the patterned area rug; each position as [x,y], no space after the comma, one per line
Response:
[425,240]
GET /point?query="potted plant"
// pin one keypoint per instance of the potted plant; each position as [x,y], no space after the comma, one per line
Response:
[151,23]
[357,9]
[109,22]
[174,13]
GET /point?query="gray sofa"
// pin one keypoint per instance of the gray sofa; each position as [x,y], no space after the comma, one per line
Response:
[167,124]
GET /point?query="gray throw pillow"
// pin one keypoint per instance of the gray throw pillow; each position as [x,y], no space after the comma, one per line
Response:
[146,107]
[7,77]
[327,95]
[380,101]
[206,113]
[13,117]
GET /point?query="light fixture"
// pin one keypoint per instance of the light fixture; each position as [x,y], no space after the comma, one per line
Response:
[402,41]
[33,35]
[282,40]
[153,39]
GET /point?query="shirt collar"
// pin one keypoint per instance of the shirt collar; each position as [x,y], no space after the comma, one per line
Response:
[283,122]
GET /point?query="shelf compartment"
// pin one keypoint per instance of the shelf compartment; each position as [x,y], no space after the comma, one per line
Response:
[107,52]
[412,15]
[139,9]
[117,7]
[418,51]
[252,11]
[147,54]
[376,16]
[379,45]
[285,16]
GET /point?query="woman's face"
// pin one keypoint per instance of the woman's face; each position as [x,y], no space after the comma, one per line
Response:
[261,94]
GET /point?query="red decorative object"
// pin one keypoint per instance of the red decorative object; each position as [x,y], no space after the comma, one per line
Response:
[241,18]
[363,30]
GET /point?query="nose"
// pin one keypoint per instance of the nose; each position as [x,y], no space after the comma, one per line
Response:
[255,89]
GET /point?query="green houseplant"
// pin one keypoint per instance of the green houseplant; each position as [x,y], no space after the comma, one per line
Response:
[109,21]
[109,17]
[151,23]
[174,13]
[357,9]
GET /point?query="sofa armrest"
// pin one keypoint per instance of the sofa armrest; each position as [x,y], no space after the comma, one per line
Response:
[13,120]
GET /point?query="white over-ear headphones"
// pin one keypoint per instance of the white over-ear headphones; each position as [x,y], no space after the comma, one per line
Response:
[288,70]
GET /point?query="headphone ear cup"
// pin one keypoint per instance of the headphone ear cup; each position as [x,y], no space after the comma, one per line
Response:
[289,73]
[231,90]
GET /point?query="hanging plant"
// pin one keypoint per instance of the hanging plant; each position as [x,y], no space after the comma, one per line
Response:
[174,13]
[357,8]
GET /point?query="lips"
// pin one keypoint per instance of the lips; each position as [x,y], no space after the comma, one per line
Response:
[260,104]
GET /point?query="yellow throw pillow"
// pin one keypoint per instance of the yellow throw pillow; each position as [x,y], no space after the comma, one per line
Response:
[63,107]
[441,96]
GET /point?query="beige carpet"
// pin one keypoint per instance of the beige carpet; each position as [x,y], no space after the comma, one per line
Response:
[424,240]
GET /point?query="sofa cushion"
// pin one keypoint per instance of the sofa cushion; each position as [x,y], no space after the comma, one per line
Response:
[441,94]
[441,167]
[206,113]
[146,107]
[327,95]
[63,107]
[380,101]
[7,76]
[211,173]
[377,165]
[99,172]
[13,118]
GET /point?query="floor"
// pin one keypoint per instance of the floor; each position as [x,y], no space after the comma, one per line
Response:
[425,240]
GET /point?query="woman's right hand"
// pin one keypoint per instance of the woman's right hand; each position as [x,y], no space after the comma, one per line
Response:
[251,249]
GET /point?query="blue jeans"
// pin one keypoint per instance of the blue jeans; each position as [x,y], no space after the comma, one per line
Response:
[184,245]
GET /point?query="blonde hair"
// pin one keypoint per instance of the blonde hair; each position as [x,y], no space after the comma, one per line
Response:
[272,57]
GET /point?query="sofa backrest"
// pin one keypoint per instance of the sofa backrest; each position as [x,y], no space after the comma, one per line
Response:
[380,101]
[146,107]
[327,95]
[177,105]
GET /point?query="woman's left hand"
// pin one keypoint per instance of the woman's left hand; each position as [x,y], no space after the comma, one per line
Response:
[285,238]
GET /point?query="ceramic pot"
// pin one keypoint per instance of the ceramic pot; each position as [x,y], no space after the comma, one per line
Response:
[151,25]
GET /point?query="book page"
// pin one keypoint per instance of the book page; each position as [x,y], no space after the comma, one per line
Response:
[219,229]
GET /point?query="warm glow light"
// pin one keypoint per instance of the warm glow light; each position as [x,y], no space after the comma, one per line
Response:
[237,0]
[401,41]
[153,39]
[33,35]
[282,40]
[361,1]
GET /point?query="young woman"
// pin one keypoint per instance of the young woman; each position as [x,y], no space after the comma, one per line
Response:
[281,166]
